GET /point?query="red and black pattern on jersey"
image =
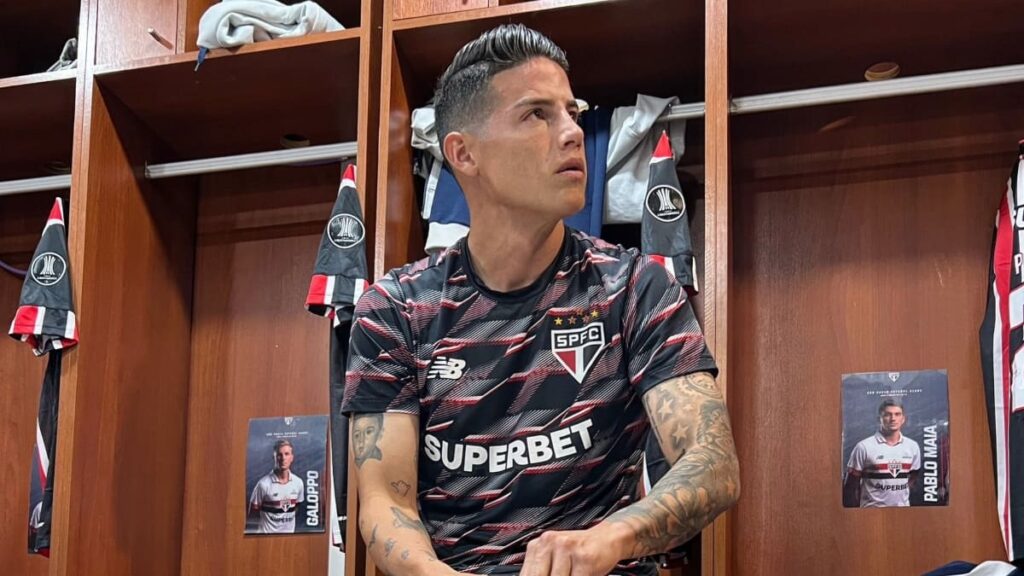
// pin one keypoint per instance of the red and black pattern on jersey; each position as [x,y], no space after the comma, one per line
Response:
[529,402]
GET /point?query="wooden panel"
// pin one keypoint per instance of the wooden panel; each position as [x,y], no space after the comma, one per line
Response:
[413,8]
[861,248]
[628,56]
[224,108]
[121,449]
[715,541]
[255,353]
[37,115]
[804,44]
[121,30]
[34,33]
[21,222]
[397,214]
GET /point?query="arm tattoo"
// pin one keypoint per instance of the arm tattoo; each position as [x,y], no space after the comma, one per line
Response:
[402,520]
[692,427]
[400,487]
[373,538]
[366,431]
[389,546]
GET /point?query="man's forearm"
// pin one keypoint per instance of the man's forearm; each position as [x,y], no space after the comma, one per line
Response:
[690,420]
[397,540]
[700,486]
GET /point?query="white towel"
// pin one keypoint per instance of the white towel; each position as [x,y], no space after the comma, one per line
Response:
[236,22]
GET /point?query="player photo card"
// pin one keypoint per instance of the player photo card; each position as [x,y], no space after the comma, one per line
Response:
[895,439]
[285,475]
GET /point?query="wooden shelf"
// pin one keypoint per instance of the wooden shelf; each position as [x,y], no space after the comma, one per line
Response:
[927,133]
[311,84]
[789,47]
[615,49]
[37,116]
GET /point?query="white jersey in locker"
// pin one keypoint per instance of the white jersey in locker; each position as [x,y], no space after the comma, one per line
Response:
[1002,352]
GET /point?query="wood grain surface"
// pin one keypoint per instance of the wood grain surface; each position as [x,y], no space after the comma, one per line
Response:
[796,45]
[256,353]
[860,248]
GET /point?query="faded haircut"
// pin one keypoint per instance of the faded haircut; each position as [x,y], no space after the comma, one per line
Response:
[461,99]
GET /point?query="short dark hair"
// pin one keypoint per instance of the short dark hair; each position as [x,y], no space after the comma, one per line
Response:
[281,444]
[460,98]
[890,402]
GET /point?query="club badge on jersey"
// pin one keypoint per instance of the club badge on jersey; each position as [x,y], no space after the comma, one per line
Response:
[45,320]
[664,229]
[339,279]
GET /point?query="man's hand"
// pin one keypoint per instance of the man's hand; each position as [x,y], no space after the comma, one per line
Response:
[592,552]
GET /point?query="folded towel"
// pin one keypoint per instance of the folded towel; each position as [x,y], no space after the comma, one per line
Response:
[236,22]
[68,57]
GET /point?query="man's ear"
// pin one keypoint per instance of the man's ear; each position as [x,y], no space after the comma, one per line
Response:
[458,151]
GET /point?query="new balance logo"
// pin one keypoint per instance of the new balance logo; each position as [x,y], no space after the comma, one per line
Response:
[446,368]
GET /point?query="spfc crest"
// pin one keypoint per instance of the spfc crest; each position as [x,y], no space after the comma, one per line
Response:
[894,376]
[578,348]
[895,467]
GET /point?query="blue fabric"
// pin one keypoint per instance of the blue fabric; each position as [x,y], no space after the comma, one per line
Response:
[596,129]
[951,569]
[449,206]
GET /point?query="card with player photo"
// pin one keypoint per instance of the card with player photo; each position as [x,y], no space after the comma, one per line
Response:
[895,439]
[285,475]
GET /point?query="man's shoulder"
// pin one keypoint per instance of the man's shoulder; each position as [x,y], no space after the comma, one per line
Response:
[912,443]
[425,274]
[606,252]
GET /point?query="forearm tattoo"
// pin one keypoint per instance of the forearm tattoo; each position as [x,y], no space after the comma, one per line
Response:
[687,412]
[366,432]
[402,520]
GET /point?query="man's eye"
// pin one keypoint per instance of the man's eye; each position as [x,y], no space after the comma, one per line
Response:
[538,113]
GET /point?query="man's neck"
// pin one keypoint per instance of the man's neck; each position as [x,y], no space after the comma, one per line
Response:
[509,255]
[892,438]
[283,475]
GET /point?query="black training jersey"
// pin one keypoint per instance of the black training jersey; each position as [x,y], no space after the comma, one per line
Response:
[528,402]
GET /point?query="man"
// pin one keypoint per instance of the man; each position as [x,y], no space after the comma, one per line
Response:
[883,467]
[277,494]
[510,376]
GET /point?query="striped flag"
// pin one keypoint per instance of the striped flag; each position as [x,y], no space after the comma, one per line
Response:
[339,279]
[45,320]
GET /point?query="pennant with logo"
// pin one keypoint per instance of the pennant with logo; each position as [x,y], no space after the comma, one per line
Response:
[664,228]
[45,320]
[339,279]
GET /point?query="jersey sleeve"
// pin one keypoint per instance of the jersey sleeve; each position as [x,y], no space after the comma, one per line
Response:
[662,337]
[857,458]
[915,464]
[302,493]
[256,499]
[381,375]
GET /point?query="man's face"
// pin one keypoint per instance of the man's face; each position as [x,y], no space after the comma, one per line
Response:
[283,458]
[365,432]
[529,148]
[892,419]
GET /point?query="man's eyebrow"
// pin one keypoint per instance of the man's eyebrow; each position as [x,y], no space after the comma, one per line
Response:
[528,102]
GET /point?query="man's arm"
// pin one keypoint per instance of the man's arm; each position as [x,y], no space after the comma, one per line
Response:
[389,518]
[851,489]
[691,424]
[690,421]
